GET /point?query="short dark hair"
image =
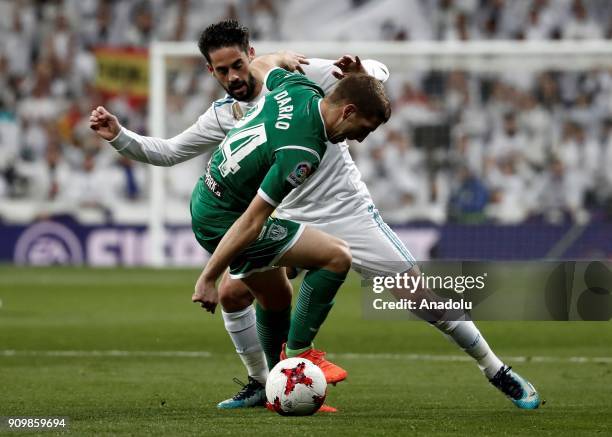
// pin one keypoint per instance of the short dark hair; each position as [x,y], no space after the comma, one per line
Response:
[366,93]
[225,33]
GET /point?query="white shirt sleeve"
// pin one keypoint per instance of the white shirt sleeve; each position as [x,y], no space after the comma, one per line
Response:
[320,71]
[376,69]
[201,137]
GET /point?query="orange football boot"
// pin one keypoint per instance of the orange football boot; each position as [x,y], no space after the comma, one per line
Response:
[327,409]
[333,373]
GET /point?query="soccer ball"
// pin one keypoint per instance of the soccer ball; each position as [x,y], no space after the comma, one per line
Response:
[296,387]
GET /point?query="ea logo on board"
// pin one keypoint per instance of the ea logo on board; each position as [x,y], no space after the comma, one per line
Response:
[48,243]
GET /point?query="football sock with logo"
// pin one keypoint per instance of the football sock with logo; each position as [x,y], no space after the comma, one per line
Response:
[467,336]
[240,325]
[314,302]
[272,329]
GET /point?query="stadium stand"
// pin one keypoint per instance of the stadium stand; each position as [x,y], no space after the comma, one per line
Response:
[461,147]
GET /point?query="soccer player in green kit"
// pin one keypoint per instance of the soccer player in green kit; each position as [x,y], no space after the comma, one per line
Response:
[272,150]
[333,200]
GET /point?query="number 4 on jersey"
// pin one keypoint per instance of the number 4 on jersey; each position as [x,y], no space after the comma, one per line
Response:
[236,147]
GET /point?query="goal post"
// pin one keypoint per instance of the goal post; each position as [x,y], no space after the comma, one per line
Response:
[474,56]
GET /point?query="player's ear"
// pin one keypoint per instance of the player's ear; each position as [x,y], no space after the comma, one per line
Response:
[251,53]
[209,68]
[348,110]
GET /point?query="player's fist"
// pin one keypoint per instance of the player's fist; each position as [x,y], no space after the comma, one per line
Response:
[206,294]
[104,123]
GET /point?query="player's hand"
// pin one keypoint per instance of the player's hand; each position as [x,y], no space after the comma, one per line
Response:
[206,294]
[292,61]
[104,123]
[348,65]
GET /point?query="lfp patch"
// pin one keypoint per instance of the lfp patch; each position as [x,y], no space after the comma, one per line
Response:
[299,175]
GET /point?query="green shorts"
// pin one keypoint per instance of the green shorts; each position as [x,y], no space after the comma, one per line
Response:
[276,237]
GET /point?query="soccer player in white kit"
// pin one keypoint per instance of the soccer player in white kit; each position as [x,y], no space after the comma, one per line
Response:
[334,200]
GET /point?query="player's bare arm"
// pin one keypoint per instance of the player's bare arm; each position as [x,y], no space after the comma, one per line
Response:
[242,233]
[288,60]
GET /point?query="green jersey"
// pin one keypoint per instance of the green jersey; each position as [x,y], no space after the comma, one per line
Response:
[271,151]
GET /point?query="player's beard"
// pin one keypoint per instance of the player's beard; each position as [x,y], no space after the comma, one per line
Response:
[247,94]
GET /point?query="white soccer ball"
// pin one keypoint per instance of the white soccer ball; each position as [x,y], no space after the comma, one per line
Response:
[296,387]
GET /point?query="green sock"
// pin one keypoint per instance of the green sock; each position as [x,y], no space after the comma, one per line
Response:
[315,300]
[295,352]
[272,329]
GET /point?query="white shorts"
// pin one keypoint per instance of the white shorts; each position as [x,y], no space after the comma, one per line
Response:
[376,249]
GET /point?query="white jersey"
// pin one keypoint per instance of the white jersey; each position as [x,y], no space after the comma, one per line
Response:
[334,190]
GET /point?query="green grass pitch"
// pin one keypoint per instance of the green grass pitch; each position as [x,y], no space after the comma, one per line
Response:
[404,377]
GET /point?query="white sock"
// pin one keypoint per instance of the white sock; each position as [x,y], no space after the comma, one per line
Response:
[467,336]
[240,326]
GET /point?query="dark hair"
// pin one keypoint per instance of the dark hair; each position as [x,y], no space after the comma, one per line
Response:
[366,93]
[225,33]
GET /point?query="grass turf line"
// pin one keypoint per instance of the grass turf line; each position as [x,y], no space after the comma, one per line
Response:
[142,310]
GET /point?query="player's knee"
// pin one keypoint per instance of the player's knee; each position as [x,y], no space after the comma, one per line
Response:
[279,300]
[233,303]
[234,295]
[340,259]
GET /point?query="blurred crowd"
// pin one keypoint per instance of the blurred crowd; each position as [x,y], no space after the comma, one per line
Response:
[461,146]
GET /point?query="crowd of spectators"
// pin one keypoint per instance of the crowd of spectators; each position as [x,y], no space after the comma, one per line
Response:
[461,146]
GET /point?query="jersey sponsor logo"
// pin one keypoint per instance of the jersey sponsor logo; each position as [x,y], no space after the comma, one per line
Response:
[48,243]
[299,175]
[276,232]
[212,184]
